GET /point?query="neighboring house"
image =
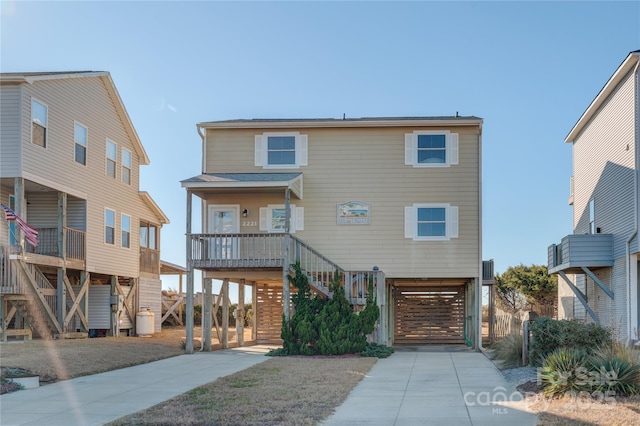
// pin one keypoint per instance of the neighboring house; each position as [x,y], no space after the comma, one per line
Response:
[69,166]
[598,263]
[393,200]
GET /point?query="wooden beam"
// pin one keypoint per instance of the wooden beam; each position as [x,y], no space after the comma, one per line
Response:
[76,304]
[171,310]
[225,313]
[206,315]
[240,314]
[597,280]
[190,276]
[254,311]
[62,254]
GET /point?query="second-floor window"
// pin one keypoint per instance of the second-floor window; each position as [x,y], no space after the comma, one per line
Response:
[148,236]
[281,150]
[431,222]
[125,224]
[38,123]
[112,158]
[126,166]
[80,139]
[431,148]
[109,226]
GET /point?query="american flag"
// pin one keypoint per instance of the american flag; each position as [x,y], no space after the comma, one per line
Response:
[30,233]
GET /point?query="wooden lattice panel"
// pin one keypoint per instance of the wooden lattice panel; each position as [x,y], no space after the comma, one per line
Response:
[429,315]
[269,314]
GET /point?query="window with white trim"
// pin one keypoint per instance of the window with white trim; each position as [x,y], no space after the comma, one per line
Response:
[592,216]
[126,166]
[109,226]
[80,139]
[287,150]
[431,222]
[125,226]
[39,123]
[431,148]
[112,158]
[148,235]
[272,218]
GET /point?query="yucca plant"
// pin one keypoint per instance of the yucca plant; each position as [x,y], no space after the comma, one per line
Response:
[509,350]
[565,370]
[616,374]
[615,349]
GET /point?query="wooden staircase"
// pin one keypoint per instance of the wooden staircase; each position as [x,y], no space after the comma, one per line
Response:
[36,320]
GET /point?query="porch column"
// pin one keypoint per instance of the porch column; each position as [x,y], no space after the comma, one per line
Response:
[189,314]
[225,313]
[254,312]
[61,292]
[206,315]
[21,204]
[240,314]
[115,315]
[285,266]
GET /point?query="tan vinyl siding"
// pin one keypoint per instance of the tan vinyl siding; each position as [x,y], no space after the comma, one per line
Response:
[149,291]
[87,101]
[603,161]
[367,164]
[9,130]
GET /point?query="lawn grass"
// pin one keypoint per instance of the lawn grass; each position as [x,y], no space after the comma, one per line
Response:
[279,391]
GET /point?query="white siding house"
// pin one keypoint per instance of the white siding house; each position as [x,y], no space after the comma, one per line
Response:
[69,166]
[598,263]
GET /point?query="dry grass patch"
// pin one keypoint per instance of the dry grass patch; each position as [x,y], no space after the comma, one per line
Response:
[282,391]
[568,411]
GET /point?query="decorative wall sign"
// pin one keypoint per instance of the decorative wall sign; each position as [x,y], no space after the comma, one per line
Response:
[354,213]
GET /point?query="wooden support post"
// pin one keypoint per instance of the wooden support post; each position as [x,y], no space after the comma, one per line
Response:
[19,208]
[189,313]
[225,313]
[62,253]
[285,267]
[115,317]
[85,280]
[3,309]
[254,311]
[206,316]
[240,314]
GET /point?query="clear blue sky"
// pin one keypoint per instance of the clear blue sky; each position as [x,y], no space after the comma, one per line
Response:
[529,69]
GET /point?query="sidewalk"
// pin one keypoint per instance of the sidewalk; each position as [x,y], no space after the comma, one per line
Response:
[426,386]
[104,397]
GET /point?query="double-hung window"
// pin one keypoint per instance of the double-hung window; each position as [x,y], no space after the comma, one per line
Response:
[80,139]
[38,123]
[112,158]
[431,222]
[273,218]
[125,225]
[148,234]
[109,226]
[431,148]
[286,150]
[126,166]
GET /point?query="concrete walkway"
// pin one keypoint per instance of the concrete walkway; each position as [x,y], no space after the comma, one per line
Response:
[432,386]
[104,397]
[421,386]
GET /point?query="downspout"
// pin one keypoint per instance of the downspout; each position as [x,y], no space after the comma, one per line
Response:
[635,198]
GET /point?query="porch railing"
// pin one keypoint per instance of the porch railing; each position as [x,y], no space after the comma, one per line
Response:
[48,243]
[149,260]
[267,251]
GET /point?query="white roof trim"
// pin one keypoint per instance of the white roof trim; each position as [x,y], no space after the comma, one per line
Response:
[152,204]
[302,124]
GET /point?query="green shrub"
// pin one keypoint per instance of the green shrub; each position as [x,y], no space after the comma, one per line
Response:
[509,350]
[549,334]
[278,352]
[326,327]
[565,370]
[374,350]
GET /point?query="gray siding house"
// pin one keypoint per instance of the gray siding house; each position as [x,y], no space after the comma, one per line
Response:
[69,167]
[395,202]
[598,263]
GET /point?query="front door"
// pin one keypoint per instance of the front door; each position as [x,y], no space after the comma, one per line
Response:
[223,219]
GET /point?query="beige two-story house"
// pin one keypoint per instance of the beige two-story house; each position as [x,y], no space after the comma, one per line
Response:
[69,166]
[392,201]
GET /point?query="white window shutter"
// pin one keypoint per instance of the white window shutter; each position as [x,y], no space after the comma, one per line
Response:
[453,222]
[409,149]
[258,151]
[264,215]
[409,222]
[302,150]
[299,219]
[454,148]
